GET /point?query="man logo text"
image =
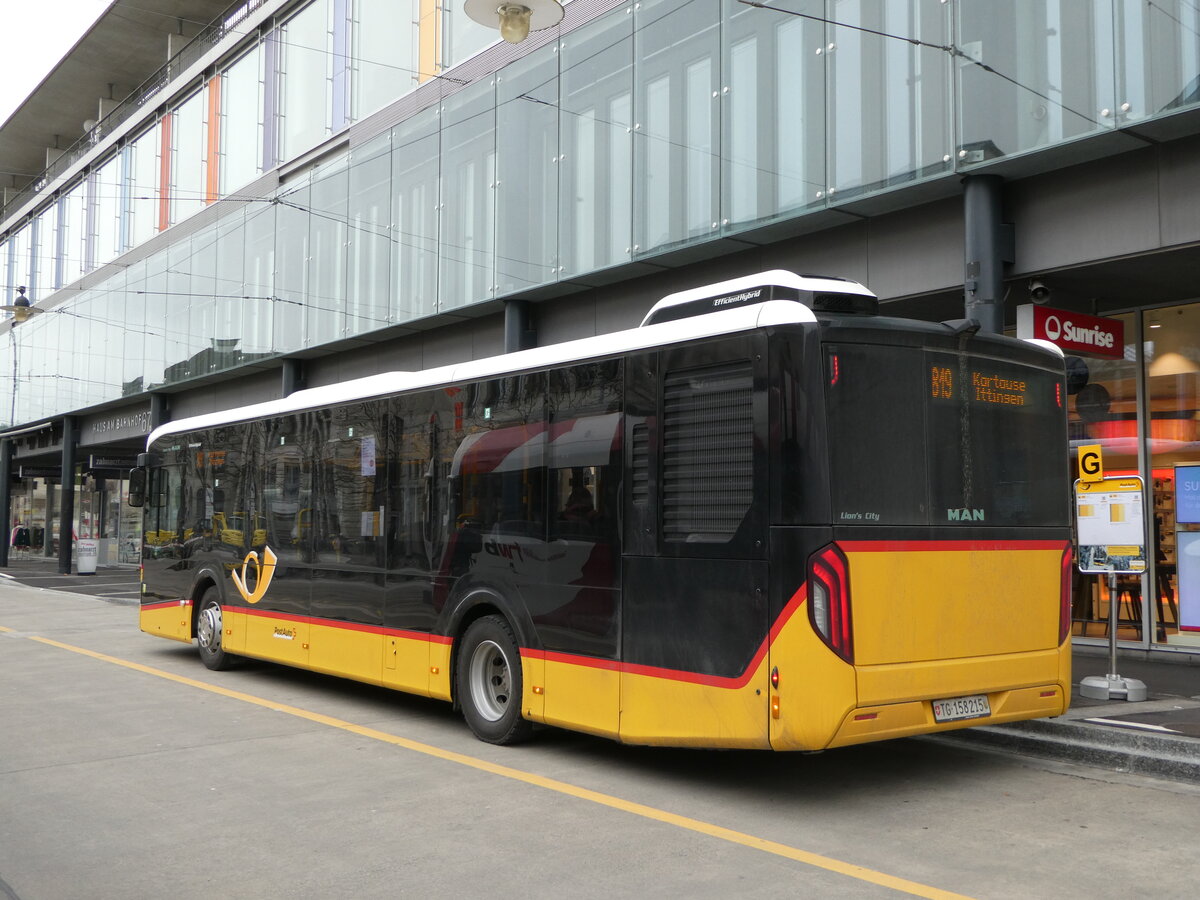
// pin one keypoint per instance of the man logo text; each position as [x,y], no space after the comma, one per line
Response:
[964,515]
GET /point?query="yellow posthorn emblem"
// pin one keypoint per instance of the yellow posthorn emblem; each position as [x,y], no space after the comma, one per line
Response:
[264,571]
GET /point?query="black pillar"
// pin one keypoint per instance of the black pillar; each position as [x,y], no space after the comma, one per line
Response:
[5,498]
[47,542]
[66,502]
[160,413]
[988,248]
[293,376]
[518,329]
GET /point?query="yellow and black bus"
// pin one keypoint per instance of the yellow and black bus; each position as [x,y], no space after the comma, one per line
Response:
[769,517]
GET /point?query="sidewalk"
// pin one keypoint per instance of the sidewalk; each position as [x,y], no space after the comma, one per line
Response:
[1159,736]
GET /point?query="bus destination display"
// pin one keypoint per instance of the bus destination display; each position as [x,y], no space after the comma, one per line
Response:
[983,387]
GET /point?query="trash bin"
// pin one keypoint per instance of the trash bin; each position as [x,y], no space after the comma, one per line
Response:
[86,552]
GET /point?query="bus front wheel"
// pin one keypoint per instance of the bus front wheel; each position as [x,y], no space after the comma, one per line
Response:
[209,629]
[490,683]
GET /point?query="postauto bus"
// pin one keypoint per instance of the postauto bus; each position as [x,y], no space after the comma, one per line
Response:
[769,517]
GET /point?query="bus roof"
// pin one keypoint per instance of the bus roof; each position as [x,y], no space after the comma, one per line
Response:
[728,321]
[814,291]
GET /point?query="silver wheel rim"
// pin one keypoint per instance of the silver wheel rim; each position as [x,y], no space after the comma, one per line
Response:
[208,628]
[490,681]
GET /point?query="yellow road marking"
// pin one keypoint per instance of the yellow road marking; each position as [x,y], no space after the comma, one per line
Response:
[647,812]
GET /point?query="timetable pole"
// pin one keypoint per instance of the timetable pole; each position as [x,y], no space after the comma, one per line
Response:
[1111,539]
[1114,605]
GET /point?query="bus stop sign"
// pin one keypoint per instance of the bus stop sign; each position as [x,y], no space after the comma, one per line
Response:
[1091,463]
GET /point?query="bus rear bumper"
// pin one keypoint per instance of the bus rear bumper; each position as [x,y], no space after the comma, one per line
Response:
[892,720]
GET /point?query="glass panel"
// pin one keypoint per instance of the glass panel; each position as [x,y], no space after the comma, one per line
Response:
[8,289]
[188,161]
[327,253]
[107,219]
[676,122]
[177,282]
[463,37]
[384,53]
[416,163]
[228,293]
[134,336]
[22,255]
[259,274]
[890,98]
[8,393]
[204,351]
[159,323]
[527,171]
[73,222]
[1053,74]
[144,190]
[1173,390]
[100,315]
[1104,411]
[291,266]
[596,173]
[370,235]
[468,197]
[45,261]
[34,347]
[241,122]
[1160,54]
[304,79]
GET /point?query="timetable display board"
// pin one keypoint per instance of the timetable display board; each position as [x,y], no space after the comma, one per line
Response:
[1112,526]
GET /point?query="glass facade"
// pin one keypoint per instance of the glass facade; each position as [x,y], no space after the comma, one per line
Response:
[1143,411]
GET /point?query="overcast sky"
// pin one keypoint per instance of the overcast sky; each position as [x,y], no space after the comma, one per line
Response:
[37,35]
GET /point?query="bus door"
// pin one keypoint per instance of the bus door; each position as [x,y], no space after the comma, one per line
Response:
[346,540]
[257,477]
[695,573]
[168,526]
[576,608]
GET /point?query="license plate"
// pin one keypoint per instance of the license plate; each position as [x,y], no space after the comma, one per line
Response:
[973,707]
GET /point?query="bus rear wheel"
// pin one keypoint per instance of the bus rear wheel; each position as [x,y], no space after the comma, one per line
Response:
[209,630]
[490,683]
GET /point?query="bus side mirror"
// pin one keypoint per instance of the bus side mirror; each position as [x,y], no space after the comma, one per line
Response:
[137,486]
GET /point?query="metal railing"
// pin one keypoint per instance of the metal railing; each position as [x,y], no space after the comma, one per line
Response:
[211,35]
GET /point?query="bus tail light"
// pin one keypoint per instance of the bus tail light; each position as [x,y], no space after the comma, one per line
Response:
[1064,598]
[829,600]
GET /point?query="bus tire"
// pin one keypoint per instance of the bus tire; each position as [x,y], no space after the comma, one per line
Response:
[490,683]
[209,631]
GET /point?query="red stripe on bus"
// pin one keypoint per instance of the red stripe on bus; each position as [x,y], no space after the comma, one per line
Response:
[722,681]
[943,546]
[173,604]
[345,626]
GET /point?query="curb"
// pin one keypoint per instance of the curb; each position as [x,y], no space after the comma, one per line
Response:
[1114,748]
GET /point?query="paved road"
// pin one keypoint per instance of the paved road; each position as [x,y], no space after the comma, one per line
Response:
[117,584]
[127,770]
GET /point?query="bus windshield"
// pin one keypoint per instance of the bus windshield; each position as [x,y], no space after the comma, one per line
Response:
[935,437]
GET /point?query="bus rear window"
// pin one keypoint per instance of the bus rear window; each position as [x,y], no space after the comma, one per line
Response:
[924,437]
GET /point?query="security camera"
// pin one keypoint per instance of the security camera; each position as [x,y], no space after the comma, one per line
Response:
[1038,291]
